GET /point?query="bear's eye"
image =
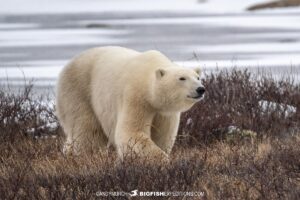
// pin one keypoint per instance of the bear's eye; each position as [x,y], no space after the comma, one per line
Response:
[198,78]
[182,78]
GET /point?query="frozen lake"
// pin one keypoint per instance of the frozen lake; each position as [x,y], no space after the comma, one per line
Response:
[37,45]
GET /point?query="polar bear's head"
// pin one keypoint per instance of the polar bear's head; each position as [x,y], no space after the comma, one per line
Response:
[176,89]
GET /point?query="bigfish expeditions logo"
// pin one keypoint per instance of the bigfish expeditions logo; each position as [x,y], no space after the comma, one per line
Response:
[134,193]
[137,193]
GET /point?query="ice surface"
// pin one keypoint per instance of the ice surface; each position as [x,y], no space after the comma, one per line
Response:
[286,22]
[277,45]
[257,48]
[50,37]
[6,26]
[75,6]
[83,6]
[48,73]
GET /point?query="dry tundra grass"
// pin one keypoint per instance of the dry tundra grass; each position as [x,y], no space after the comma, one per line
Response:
[206,158]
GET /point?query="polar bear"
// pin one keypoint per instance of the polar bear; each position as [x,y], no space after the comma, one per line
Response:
[131,100]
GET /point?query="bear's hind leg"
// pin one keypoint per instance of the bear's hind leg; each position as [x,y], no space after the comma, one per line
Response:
[84,133]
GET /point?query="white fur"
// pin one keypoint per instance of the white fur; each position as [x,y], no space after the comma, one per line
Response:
[118,96]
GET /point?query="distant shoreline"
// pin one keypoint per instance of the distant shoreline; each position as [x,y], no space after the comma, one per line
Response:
[275,4]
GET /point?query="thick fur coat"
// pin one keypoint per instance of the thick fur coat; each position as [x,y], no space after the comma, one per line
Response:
[121,97]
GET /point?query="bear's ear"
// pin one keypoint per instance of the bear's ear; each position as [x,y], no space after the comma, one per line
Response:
[198,70]
[160,73]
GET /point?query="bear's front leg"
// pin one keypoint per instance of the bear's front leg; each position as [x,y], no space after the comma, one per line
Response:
[133,135]
[140,145]
[164,130]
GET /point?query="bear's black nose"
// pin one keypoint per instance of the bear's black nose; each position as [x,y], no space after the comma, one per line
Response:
[200,90]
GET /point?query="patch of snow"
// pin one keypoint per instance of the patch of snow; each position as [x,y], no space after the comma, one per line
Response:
[31,131]
[269,107]
[232,129]
[189,121]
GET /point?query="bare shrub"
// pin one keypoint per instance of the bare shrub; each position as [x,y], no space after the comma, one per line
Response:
[267,167]
[232,99]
